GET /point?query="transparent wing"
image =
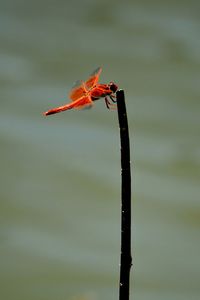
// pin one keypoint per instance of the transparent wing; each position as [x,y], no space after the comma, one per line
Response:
[78,90]
[83,102]
[93,79]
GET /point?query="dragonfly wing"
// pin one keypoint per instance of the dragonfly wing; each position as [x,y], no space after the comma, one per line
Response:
[93,79]
[83,102]
[78,90]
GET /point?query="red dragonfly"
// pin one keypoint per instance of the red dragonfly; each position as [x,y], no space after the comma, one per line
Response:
[84,93]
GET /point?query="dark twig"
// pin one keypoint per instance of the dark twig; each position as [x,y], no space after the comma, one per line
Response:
[126,259]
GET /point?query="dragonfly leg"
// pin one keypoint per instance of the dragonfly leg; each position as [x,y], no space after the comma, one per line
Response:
[113,98]
[109,105]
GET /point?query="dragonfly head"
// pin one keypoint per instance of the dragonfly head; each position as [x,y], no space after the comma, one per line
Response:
[113,87]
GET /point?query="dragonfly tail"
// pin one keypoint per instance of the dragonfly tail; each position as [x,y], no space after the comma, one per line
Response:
[83,102]
[58,109]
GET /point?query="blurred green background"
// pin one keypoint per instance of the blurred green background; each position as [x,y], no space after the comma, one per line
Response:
[60,176]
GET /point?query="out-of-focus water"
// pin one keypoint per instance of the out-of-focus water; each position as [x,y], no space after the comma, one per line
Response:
[60,176]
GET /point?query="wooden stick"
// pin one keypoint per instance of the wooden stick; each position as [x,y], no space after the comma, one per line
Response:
[126,259]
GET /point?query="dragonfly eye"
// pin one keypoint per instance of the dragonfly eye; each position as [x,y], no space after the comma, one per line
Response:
[113,87]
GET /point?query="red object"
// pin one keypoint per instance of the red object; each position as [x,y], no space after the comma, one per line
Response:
[83,94]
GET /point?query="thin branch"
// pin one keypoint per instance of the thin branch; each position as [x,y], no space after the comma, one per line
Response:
[126,259]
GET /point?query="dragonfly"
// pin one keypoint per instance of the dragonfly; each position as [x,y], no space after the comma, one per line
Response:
[84,93]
